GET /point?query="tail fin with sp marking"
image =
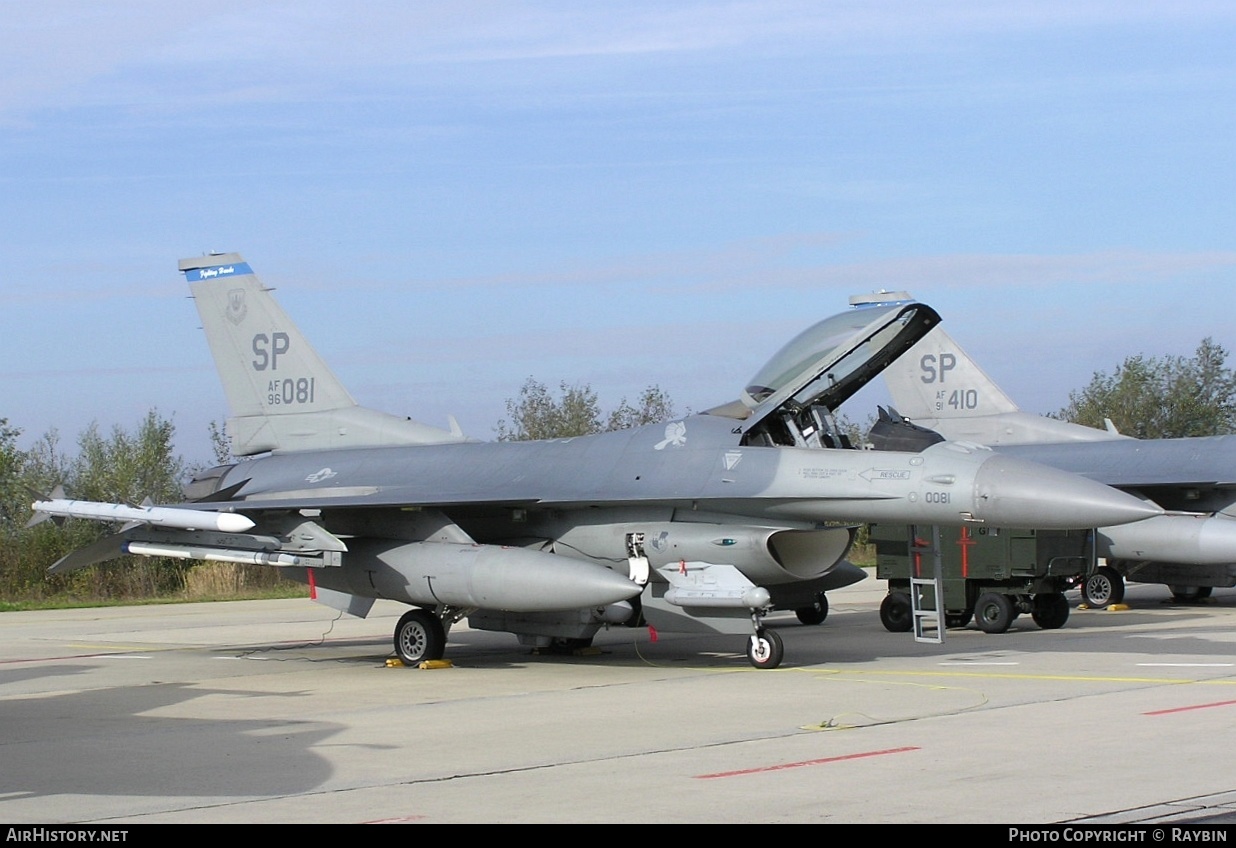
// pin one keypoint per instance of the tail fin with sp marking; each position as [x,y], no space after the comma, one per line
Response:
[938,386]
[282,395]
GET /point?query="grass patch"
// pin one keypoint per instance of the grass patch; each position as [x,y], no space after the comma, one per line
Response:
[207,581]
[864,556]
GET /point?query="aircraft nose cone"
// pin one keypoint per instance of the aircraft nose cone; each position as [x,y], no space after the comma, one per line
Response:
[1008,490]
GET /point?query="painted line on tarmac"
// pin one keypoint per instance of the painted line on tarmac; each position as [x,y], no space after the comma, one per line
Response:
[995,675]
[805,763]
[1185,665]
[98,655]
[398,820]
[124,657]
[1190,708]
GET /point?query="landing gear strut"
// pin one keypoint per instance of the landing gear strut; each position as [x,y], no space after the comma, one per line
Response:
[764,647]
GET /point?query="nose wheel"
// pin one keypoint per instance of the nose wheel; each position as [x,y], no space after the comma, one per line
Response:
[765,649]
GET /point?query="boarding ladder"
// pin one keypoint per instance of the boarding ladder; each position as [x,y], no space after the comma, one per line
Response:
[926,583]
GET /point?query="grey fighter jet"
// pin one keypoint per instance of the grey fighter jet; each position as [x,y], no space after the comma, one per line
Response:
[702,524]
[1191,549]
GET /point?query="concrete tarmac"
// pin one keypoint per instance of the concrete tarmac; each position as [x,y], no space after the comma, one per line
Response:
[279,711]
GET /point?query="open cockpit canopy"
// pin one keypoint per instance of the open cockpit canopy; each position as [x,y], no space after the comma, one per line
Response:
[791,399]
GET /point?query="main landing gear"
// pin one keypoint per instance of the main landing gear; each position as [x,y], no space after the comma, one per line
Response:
[816,613]
[1189,594]
[1103,588]
[419,637]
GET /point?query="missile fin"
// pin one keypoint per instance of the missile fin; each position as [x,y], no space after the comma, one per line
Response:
[109,547]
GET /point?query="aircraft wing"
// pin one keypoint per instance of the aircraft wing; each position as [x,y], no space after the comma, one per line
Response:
[1130,464]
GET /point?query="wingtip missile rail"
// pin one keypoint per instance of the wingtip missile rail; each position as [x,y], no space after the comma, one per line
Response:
[159,516]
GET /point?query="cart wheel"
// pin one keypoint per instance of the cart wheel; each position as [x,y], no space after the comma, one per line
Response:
[1051,610]
[896,614]
[1103,588]
[993,613]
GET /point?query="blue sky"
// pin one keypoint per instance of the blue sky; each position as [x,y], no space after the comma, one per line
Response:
[452,197]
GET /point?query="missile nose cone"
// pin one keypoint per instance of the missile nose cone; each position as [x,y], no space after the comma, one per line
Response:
[230,522]
[1007,491]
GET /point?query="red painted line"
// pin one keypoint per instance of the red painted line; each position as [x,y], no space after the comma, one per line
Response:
[824,761]
[397,820]
[68,657]
[1194,707]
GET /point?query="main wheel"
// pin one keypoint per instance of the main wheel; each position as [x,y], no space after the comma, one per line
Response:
[993,612]
[1188,594]
[1051,610]
[765,649]
[816,613]
[419,636]
[569,645]
[1103,588]
[896,613]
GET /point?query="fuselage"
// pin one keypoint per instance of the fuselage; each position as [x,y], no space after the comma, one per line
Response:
[693,463]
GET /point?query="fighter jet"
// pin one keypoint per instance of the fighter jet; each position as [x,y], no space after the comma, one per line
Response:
[702,524]
[937,388]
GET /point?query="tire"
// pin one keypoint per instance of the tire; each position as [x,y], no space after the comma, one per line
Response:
[1189,594]
[1103,588]
[957,620]
[765,649]
[993,613]
[896,613]
[816,613]
[1051,610]
[419,637]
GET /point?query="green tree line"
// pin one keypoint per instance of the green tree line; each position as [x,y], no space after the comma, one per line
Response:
[121,467]
[1167,397]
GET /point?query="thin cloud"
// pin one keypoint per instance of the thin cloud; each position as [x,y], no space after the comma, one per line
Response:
[61,54]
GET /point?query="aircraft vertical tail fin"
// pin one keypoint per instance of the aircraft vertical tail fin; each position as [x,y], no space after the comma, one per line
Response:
[281,393]
[937,379]
[937,385]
